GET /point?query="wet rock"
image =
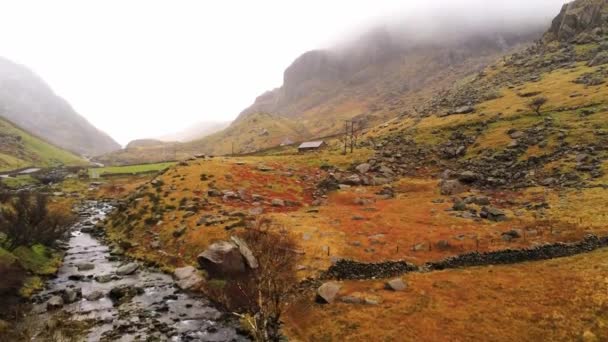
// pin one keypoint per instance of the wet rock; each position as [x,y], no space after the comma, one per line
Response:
[222,258]
[71,295]
[188,278]
[396,284]
[85,266]
[93,296]
[54,303]
[127,269]
[124,293]
[105,278]
[327,292]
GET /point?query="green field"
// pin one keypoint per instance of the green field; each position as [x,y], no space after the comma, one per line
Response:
[129,169]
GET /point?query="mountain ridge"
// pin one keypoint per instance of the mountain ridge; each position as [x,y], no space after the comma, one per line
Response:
[29,102]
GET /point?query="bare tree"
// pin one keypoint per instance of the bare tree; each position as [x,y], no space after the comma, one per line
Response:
[537,103]
[26,220]
[260,297]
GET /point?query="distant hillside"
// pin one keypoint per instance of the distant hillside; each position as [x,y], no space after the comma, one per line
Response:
[194,132]
[19,149]
[376,78]
[28,101]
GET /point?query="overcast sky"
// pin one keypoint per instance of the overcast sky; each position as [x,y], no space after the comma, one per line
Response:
[145,68]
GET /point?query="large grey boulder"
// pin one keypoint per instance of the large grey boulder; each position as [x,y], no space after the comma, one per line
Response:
[327,292]
[576,17]
[222,258]
[188,278]
[246,252]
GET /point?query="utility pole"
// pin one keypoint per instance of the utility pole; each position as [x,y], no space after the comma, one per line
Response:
[345,135]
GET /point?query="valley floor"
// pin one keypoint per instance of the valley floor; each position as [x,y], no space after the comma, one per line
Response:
[193,205]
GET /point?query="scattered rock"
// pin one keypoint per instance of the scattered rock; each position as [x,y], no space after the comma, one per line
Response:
[451,187]
[327,292]
[93,296]
[396,284]
[278,202]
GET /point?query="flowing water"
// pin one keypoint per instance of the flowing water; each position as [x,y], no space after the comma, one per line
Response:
[152,308]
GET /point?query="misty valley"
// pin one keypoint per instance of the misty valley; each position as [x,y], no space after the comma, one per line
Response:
[424,171]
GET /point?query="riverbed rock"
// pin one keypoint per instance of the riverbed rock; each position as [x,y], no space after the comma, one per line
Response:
[127,269]
[188,278]
[54,303]
[327,292]
[93,296]
[124,292]
[85,266]
[396,285]
[222,258]
[71,295]
[104,278]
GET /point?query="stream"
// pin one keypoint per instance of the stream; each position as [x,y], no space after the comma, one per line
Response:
[123,304]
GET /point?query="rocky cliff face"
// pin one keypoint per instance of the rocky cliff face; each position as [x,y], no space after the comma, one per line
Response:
[581,20]
[26,100]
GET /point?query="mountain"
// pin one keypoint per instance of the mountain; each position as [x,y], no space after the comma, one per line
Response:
[375,78]
[29,102]
[20,149]
[194,132]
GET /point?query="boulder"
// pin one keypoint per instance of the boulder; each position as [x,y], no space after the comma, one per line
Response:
[327,292]
[246,252]
[396,285]
[127,269]
[222,258]
[188,278]
[463,110]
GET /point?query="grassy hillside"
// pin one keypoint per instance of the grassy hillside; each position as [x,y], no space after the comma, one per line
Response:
[19,149]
